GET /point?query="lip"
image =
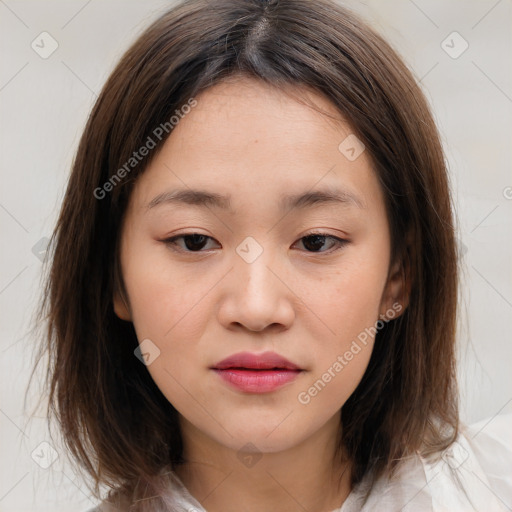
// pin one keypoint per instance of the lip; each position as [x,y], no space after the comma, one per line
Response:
[249,360]
[257,373]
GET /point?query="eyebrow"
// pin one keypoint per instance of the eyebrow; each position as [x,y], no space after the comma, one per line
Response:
[207,199]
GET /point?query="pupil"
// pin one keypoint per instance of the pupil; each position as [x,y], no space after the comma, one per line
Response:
[196,240]
[318,241]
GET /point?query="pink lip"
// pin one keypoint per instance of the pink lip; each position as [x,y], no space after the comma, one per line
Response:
[257,373]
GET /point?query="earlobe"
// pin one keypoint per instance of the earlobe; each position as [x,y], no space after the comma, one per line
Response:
[396,295]
[121,308]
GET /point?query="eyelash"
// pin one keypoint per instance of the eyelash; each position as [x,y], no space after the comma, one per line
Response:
[171,242]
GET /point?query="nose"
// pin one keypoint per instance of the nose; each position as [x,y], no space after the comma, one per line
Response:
[256,297]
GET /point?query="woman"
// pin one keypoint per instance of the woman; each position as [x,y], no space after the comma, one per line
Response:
[253,293]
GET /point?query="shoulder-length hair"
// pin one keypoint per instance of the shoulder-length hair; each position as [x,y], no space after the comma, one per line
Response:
[115,421]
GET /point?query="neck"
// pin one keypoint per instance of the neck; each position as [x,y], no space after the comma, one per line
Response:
[304,477]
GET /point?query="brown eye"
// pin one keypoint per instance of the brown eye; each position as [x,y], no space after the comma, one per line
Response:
[193,242]
[314,242]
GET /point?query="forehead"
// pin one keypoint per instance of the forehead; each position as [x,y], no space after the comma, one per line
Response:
[246,138]
[253,111]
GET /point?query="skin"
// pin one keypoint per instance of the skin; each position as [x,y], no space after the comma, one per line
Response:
[255,143]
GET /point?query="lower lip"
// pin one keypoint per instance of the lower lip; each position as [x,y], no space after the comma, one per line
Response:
[257,381]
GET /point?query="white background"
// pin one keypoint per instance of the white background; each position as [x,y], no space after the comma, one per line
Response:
[43,108]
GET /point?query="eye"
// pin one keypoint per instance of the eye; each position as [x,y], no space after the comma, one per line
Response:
[313,242]
[194,242]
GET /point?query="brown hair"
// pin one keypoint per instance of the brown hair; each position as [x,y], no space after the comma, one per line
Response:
[115,421]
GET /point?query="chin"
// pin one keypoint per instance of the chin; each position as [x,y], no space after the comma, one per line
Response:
[269,437]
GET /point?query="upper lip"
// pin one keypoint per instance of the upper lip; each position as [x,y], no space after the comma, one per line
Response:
[263,361]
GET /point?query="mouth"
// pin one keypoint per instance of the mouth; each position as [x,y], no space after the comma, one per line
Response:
[257,373]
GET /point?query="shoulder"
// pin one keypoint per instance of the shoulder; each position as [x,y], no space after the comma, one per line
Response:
[116,502]
[105,507]
[176,498]
[473,474]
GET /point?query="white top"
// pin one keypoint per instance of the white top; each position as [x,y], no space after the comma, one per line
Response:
[474,474]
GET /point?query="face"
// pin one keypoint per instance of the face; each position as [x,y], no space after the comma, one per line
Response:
[252,268]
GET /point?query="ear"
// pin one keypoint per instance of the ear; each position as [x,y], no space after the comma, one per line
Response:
[395,297]
[121,307]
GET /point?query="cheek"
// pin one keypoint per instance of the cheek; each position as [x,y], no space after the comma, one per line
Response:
[163,297]
[348,303]
[350,310]
[168,307]
[350,300]
[328,390]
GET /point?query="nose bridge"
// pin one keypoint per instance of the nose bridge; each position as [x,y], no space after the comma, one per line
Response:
[256,297]
[252,266]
